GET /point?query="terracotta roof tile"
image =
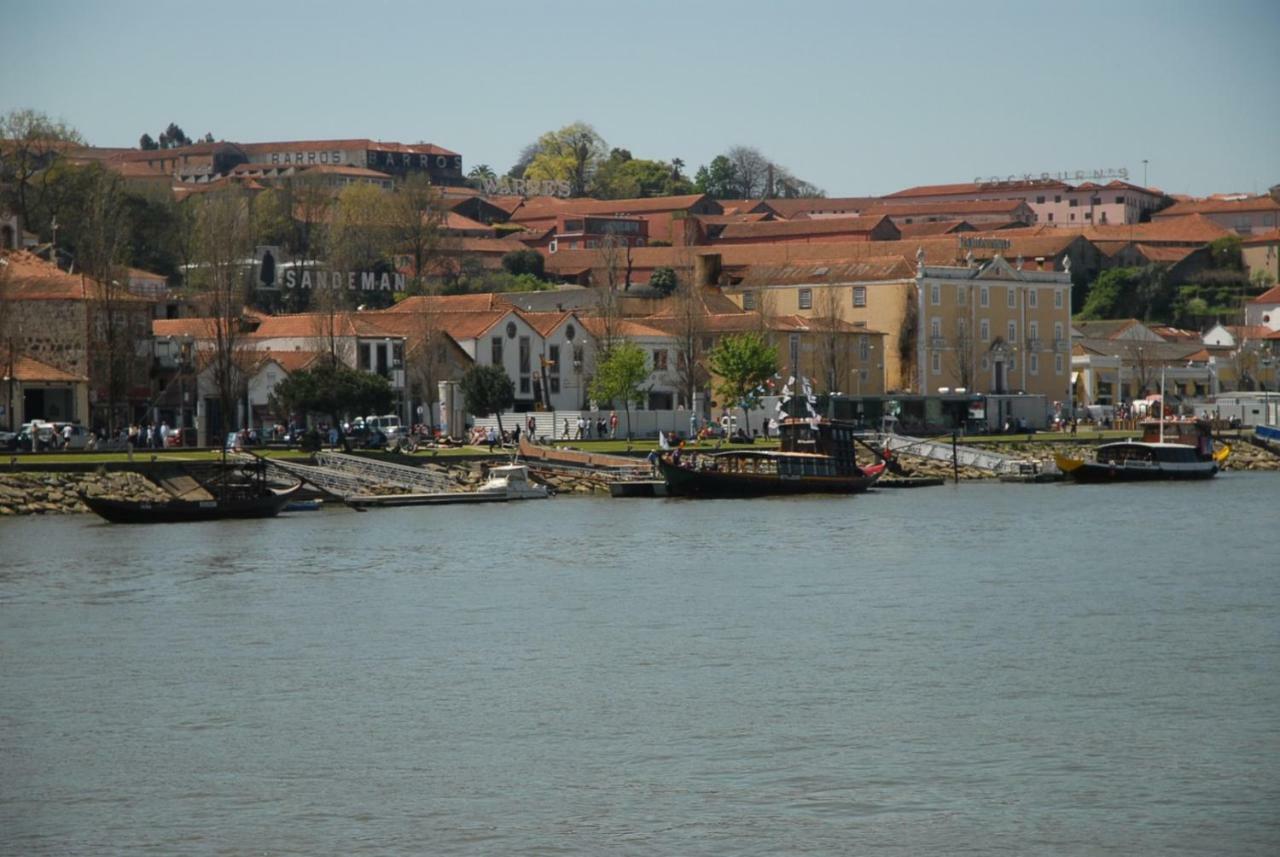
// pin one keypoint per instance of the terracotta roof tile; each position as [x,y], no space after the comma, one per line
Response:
[1270,296]
[31,371]
[1219,206]
[767,230]
[979,187]
[1272,237]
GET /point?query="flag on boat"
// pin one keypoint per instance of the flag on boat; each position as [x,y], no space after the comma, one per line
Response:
[662,440]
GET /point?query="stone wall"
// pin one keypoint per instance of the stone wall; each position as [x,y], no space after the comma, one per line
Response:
[59,493]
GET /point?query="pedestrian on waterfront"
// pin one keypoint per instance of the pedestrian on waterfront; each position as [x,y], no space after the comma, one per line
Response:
[531,427]
[613,424]
[566,428]
[492,438]
[601,428]
[582,427]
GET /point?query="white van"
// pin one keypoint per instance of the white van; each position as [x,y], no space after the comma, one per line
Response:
[388,424]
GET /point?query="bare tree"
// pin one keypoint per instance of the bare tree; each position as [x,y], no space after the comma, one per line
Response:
[964,351]
[29,143]
[689,315]
[102,243]
[613,270]
[908,337]
[751,169]
[9,338]
[417,224]
[222,242]
[427,358]
[833,351]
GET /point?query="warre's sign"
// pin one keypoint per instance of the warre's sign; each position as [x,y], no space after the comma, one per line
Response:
[522,187]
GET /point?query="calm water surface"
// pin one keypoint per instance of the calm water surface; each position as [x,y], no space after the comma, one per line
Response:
[991,669]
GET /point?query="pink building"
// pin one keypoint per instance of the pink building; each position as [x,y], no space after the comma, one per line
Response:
[1051,201]
[1246,216]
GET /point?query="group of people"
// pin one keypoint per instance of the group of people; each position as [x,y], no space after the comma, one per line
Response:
[602,427]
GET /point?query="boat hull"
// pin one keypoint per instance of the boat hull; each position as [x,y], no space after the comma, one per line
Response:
[685,482]
[1098,472]
[186,511]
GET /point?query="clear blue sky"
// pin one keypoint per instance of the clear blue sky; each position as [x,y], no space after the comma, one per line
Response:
[859,98]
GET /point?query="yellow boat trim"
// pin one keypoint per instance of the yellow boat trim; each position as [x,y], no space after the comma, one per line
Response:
[1066,465]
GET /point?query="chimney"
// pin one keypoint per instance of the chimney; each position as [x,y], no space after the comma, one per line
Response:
[706,269]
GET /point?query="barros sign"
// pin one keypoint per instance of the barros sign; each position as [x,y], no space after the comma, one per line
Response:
[1121,173]
[520,187]
[366,281]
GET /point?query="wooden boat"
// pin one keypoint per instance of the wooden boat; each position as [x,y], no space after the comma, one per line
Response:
[1139,461]
[816,456]
[232,491]
[1169,449]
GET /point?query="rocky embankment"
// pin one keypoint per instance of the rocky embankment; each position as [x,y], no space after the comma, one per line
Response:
[59,493]
[1244,456]
[471,474]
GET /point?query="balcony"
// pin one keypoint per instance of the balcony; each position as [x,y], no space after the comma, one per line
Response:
[937,342]
[1062,346]
[1035,345]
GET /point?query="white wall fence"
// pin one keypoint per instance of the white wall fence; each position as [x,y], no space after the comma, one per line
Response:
[644,424]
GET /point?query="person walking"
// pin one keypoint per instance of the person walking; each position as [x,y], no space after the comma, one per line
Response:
[613,425]
[531,428]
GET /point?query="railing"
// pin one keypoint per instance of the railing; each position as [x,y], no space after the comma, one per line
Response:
[965,456]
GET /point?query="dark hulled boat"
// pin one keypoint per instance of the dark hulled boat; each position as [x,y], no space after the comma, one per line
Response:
[816,457]
[222,492]
[1169,450]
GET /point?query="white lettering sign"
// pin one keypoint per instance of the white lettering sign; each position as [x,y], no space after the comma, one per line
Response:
[366,281]
[520,187]
[1121,173]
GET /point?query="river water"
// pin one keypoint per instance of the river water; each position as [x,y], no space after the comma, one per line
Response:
[982,669]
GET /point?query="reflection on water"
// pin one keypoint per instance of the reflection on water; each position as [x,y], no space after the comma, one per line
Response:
[988,669]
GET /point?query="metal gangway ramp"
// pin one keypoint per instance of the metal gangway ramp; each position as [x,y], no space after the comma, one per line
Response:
[346,475]
[941,450]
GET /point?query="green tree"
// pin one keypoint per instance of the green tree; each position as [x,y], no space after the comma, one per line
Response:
[487,390]
[30,142]
[481,173]
[524,262]
[333,389]
[571,154]
[664,280]
[417,215]
[718,180]
[625,177]
[743,362]
[619,376]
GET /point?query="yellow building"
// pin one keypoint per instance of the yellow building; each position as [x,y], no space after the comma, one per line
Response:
[994,327]
[988,327]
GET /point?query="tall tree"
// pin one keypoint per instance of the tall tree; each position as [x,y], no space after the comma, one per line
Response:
[571,154]
[30,142]
[744,362]
[222,237]
[487,390]
[417,226]
[719,179]
[361,237]
[619,376]
[173,137]
[833,341]
[689,317]
[102,253]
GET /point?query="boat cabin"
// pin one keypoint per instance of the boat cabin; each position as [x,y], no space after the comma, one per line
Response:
[1137,454]
[1194,433]
[830,440]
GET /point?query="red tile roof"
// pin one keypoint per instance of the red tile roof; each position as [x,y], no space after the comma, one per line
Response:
[766,230]
[357,143]
[1262,238]
[542,207]
[980,187]
[1219,206]
[961,207]
[28,370]
[27,277]
[830,271]
[1270,296]
[936,227]
[448,303]
[791,208]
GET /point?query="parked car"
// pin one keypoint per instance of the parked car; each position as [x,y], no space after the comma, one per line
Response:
[35,436]
[72,435]
[388,424]
[8,440]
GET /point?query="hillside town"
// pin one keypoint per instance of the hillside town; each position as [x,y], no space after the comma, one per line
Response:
[181,284]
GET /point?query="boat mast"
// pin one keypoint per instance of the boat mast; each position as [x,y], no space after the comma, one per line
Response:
[1162,404]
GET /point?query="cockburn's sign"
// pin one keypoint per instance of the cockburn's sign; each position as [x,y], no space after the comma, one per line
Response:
[1121,173]
[366,281]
